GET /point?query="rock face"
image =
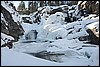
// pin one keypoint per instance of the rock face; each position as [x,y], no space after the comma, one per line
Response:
[90,6]
[9,26]
[93,36]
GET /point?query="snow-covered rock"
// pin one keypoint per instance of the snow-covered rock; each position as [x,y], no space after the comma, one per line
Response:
[10,20]
[5,38]
[93,30]
[13,58]
[58,17]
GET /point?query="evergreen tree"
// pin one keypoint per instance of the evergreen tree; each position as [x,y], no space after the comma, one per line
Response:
[30,6]
[21,6]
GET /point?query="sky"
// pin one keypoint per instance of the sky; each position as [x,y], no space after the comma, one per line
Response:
[16,4]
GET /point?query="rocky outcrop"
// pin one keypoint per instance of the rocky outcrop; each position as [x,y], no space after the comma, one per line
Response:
[90,6]
[93,36]
[9,26]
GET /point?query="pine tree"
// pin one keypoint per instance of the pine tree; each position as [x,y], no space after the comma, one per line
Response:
[30,6]
[21,7]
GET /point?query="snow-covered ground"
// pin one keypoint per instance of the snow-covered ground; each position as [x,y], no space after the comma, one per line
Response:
[13,58]
[74,52]
[55,37]
[3,38]
[73,57]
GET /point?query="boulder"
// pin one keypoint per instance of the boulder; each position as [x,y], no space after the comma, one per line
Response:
[93,36]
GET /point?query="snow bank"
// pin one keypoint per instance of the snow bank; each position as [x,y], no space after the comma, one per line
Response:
[93,25]
[86,56]
[13,58]
[58,17]
[3,38]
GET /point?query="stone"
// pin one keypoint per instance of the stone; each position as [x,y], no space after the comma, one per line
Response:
[12,28]
[93,36]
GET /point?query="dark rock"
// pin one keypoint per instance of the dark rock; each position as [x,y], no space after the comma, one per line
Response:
[93,36]
[13,28]
[56,10]
[83,38]
[9,44]
[90,6]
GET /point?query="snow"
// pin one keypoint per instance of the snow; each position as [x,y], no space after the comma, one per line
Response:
[9,8]
[78,34]
[5,5]
[24,16]
[76,53]
[2,42]
[83,2]
[47,9]
[95,24]
[97,2]
[79,2]
[64,44]
[3,19]
[13,58]
[55,30]
[4,36]
[28,47]
[68,47]
[54,18]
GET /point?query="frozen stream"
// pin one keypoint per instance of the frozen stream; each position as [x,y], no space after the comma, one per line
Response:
[42,50]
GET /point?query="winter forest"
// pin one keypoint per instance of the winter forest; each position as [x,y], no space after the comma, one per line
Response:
[50,33]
